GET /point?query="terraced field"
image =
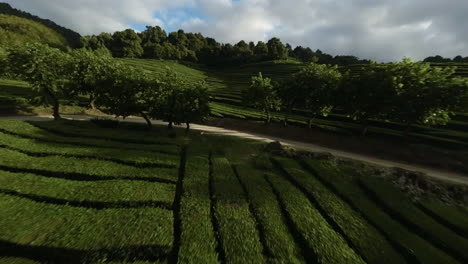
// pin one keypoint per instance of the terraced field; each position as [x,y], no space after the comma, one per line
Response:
[74,192]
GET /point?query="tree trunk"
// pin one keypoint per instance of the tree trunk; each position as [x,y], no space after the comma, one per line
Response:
[364,130]
[56,107]
[268,117]
[92,102]
[169,125]
[309,123]
[148,121]
[55,104]
[188,125]
[286,118]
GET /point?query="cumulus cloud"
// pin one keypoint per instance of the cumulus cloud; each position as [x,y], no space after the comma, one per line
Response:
[383,30]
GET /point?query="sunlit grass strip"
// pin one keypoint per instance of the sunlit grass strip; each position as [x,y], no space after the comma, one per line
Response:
[84,166]
[101,191]
[25,130]
[364,238]
[128,157]
[237,229]
[197,239]
[402,209]
[146,231]
[280,243]
[414,248]
[85,129]
[328,246]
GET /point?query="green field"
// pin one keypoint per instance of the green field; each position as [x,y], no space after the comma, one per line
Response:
[77,192]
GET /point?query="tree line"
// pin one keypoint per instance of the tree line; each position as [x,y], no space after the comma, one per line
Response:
[155,43]
[112,87]
[406,92]
[440,59]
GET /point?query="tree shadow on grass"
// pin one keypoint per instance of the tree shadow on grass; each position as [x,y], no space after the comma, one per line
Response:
[52,255]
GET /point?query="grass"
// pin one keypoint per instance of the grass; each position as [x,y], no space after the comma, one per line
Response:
[118,192]
[239,238]
[401,208]
[198,241]
[414,248]
[453,217]
[17,31]
[363,237]
[222,200]
[327,245]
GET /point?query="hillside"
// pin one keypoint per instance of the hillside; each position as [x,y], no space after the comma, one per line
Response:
[16,30]
[72,38]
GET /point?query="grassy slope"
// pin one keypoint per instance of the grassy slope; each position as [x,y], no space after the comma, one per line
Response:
[16,31]
[223,201]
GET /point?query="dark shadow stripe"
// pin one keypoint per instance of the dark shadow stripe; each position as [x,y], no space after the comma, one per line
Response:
[267,253]
[406,252]
[319,208]
[121,140]
[118,161]
[443,222]
[176,205]
[214,220]
[416,229]
[308,253]
[81,176]
[57,255]
[88,204]
[81,144]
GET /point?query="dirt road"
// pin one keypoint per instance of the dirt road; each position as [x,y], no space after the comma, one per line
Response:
[439,174]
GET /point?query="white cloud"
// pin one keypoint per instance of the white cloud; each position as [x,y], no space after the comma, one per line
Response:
[382,30]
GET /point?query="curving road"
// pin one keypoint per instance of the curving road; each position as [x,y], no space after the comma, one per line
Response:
[438,174]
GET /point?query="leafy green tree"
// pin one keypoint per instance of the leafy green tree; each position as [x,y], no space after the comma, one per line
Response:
[3,63]
[316,86]
[424,94]
[178,38]
[192,104]
[261,49]
[122,92]
[261,95]
[154,35]
[126,43]
[276,49]
[88,71]
[46,69]
[165,107]
[369,95]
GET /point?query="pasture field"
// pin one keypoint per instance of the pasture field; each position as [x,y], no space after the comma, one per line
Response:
[80,192]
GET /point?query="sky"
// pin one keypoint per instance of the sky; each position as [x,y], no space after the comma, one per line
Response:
[381,30]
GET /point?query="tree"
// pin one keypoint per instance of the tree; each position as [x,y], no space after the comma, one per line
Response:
[261,49]
[46,69]
[192,104]
[424,94]
[165,107]
[261,95]
[369,95]
[276,49]
[126,44]
[316,85]
[126,91]
[88,70]
[3,63]
[153,35]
